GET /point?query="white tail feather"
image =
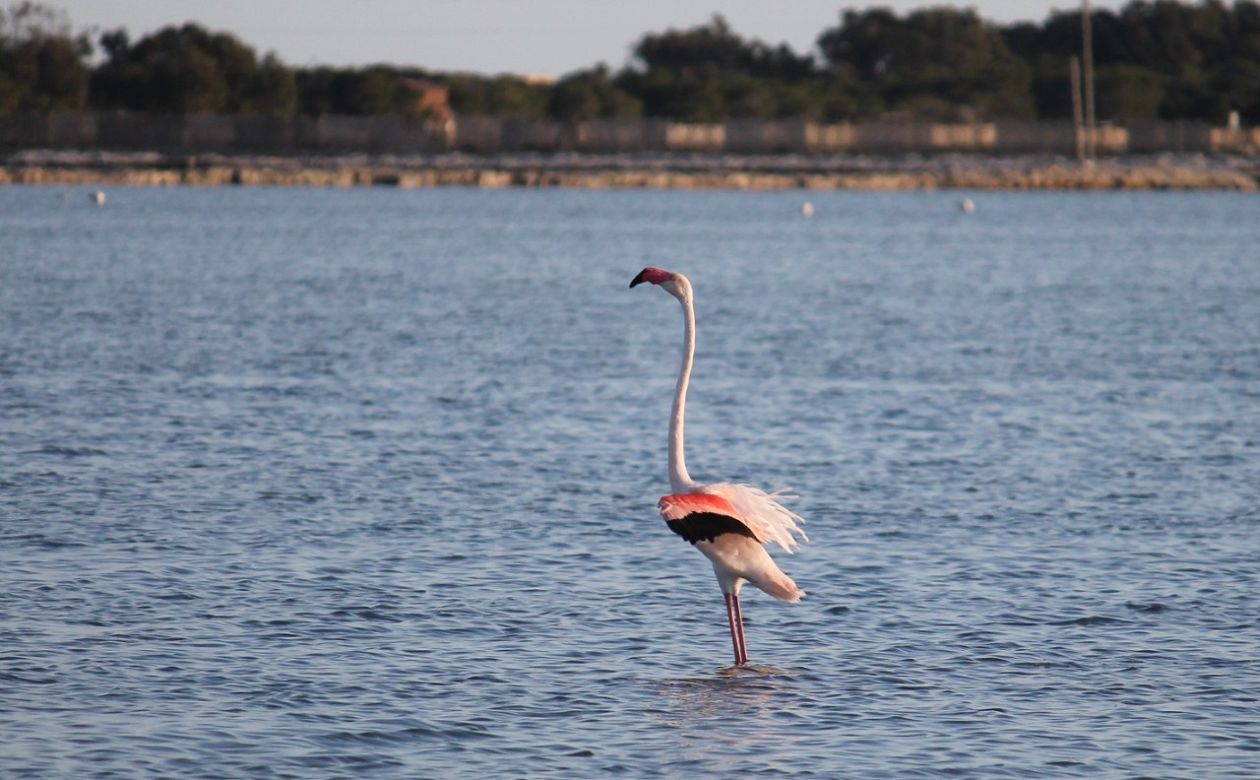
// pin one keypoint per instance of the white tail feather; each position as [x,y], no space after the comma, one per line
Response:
[780,586]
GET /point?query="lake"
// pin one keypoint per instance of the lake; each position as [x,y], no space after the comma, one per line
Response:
[301,482]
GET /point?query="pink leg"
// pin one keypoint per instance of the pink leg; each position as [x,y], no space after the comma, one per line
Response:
[737,628]
[739,623]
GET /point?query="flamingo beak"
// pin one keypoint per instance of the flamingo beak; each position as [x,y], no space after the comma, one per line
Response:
[639,279]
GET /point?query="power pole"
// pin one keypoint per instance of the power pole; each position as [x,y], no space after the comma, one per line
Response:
[1087,56]
[1077,121]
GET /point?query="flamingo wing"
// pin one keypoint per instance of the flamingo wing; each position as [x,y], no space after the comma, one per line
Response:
[761,512]
[699,517]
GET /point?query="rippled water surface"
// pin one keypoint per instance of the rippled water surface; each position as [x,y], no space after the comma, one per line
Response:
[302,483]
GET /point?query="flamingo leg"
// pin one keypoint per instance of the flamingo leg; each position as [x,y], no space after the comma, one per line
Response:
[739,624]
[737,628]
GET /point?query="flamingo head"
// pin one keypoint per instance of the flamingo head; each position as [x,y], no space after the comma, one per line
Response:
[672,283]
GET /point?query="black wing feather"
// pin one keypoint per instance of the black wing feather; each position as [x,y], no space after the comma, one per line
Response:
[707,526]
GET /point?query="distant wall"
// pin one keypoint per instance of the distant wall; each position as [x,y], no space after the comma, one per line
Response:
[761,136]
[491,135]
[200,134]
[1061,137]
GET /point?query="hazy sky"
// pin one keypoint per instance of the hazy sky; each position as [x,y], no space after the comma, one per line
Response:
[490,36]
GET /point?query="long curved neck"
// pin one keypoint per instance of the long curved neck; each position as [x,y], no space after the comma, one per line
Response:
[679,479]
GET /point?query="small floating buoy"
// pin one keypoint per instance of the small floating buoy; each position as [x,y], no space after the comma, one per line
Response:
[967,206]
[807,209]
[98,198]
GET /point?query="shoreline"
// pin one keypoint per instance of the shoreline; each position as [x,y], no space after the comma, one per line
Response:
[778,172]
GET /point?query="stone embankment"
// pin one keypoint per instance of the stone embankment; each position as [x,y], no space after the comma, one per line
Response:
[1180,172]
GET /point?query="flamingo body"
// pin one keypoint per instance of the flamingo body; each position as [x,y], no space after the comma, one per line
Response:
[715,528]
[730,524]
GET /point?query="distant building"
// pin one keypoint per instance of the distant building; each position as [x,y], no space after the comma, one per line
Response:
[431,100]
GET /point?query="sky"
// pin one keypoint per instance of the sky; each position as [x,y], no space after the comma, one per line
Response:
[545,37]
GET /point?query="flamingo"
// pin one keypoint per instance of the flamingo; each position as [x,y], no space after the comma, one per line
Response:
[729,523]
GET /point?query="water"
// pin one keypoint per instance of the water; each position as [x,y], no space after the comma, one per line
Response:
[361,483]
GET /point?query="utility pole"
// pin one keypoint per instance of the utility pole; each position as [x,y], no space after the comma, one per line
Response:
[1077,121]
[1087,56]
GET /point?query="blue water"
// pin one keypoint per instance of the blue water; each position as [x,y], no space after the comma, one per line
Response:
[301,483]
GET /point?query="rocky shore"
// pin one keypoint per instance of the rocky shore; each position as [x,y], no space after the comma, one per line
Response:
[1163,172]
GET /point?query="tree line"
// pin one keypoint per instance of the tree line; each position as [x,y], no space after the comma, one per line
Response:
[1159,59]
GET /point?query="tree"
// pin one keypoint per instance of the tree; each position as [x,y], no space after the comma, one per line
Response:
[936,56]
[708,73]
[189,70]
[41,64]
[271,89]
[710,47]
[28,21]
[1238,85]
[1128,92]
[356,91]
[1155,58]
[506,96]
[590,94]
[687,96]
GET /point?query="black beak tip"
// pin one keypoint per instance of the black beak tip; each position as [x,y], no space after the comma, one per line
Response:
[637,280]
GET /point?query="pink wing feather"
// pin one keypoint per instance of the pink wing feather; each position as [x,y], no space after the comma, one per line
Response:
[769,520]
